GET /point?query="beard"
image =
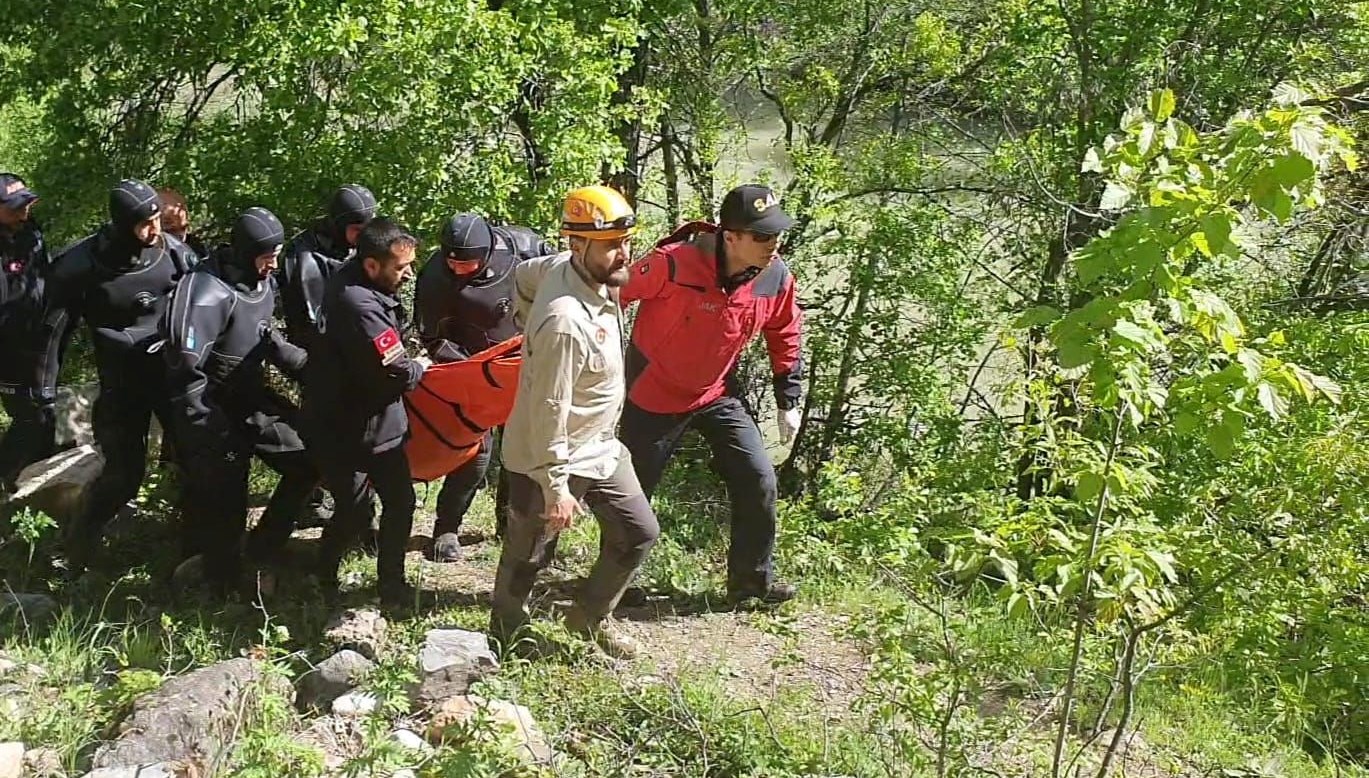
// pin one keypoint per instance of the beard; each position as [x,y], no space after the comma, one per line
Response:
[616,278]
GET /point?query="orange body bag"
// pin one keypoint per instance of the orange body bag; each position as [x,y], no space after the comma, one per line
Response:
[455,404]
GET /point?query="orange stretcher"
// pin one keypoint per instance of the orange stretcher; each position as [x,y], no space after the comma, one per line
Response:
[456,404]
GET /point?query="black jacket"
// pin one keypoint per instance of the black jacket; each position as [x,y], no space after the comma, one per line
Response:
[358,372]
[458,317]
[120,290]
[24,263]
[306,264]
[219,334]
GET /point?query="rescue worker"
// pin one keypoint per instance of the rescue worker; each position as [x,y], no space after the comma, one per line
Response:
[463,301]
[309,260]
[219,332]
[117,280]
[314,255]
[559,445]
[176,220]
[27,394]
[705,292]
[354,415]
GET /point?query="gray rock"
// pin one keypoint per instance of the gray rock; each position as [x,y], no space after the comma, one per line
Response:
[332,678]
[157,770]
[355,704]
[7,666]
[58,485]
[43,763]
[410,740]
[33,607]
[189,719]
[450,661]
[74,409]
[361,630]
[11,760]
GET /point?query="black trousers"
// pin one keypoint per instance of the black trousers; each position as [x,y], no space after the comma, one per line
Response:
[351,479]
[122,415]
[215,494]
[460,486]
[740,455]
[31,433]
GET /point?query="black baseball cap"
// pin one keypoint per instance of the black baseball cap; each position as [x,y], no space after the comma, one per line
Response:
[754,208]
[14,193]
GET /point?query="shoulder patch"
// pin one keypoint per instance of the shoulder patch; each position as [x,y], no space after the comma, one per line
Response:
[388,346]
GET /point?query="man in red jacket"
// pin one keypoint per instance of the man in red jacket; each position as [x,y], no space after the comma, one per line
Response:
[705,292]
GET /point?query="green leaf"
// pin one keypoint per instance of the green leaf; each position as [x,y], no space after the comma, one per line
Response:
[1307,140]
[1115,197]
[1132,332]
[1092,162]
[1161,104]
[1185,423]
[1090,485]
[1221,440]
[1217,231]
[1286,94]
[1076,353]
[1291,170]
[1273,403]
[1036,316]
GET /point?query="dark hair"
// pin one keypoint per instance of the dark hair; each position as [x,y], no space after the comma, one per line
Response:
[379,239]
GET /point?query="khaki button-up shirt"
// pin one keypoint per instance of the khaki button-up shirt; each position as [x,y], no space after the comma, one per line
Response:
[571,386]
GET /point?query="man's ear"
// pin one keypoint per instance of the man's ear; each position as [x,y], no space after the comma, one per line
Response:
[371,265]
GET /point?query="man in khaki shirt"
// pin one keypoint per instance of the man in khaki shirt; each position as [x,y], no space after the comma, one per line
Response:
[559,445]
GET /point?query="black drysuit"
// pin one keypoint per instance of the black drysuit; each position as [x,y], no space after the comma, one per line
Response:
[308,261]
[120,288]
[355,423]
[219,335]
[463,315]
[27,392]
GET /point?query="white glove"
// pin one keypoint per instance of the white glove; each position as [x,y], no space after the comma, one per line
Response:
[789,423]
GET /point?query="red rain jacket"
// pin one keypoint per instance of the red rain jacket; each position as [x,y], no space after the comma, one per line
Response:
[690,331]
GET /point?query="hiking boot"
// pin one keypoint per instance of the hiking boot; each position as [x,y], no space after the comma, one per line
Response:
[601,633]
[398,596]
[774,595]
[633,597]
[447,548]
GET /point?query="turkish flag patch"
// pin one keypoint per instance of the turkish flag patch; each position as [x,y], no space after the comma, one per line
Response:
[388,346]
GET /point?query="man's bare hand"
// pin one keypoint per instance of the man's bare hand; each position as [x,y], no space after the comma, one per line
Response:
[561,514]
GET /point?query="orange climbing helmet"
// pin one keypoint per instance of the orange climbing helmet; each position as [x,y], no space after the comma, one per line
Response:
[597,213]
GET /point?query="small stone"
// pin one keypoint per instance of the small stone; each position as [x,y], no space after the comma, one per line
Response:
[332,678]
[452,720]
[11,760]
[7,666]
[410,740]
[43,763]
[355,704]
[35,671]
[451,660]
[361,630]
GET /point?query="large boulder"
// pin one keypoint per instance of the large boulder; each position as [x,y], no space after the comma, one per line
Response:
[332,678]
[450,661]
[190,719]
[158,770]
[30,607]
[58,485]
